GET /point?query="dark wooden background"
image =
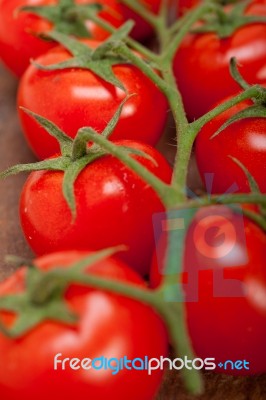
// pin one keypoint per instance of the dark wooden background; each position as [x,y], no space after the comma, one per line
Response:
[13,150]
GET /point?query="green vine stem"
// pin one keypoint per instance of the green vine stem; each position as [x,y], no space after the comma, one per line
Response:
[255,91]
[164,191]
[142,11]
[230,199]
[44,296]
[131,42]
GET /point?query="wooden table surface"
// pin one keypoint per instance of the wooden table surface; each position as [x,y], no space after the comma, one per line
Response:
[13,150]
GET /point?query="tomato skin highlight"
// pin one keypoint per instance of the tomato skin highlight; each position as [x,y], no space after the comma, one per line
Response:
[221,325]
[244,140]
[88,101]
[19,40]
[114,207]
[202,64]
[110,325]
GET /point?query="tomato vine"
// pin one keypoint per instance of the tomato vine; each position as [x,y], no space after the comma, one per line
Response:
[159,68]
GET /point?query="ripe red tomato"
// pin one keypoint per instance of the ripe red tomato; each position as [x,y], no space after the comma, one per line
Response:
[224,281]
[142,30]
[244,140]
[88,101]
[202,64]
[114,206]
[186,5]
[110,326]
[18,33]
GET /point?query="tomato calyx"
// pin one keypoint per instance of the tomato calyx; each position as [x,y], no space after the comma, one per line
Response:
[100,60]
[43,296]
[224,22]
[78,153]
[67,16]
[257,110]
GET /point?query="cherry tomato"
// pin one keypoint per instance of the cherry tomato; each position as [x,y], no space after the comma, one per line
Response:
[88,101]
[224,282]
[186,5]
[142,30]
[19,32]
[114,206]
[202,64]
[109,325]
[19,40]
[244,140]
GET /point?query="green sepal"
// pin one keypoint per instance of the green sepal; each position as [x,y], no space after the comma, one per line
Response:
[225,23]
[82,155]
[77,155]
[114,40]
[43,297]
[238,78]
[65,142]
[254,187]
[255,111]
[107,146]
[251,180]
[114,121]
[100,60]
[67,17]
[70,176]
[53,164]
[139,153]
[29,315]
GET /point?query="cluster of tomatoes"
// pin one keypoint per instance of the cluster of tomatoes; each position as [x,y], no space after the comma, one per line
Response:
[115,206]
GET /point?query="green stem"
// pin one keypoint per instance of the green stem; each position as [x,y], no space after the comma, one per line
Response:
[164,191]
[184,142]
[250,198]
[188,22]
[241,198]
[161,28]
[141,11]
[124,51]
[174,317]
[184,137]
[175,27]
[172,314]
[254,91]
[164,7]
[80,144]
[255,217]
[142,294]
[183,155]
[66,3]
[131,42]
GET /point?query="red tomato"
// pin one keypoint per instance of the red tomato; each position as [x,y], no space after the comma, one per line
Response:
[18,33]
[186,5]
[109,326]
[141,30]
[224,282]
[244,140]
[202,64]
[88,101]
[114,206]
